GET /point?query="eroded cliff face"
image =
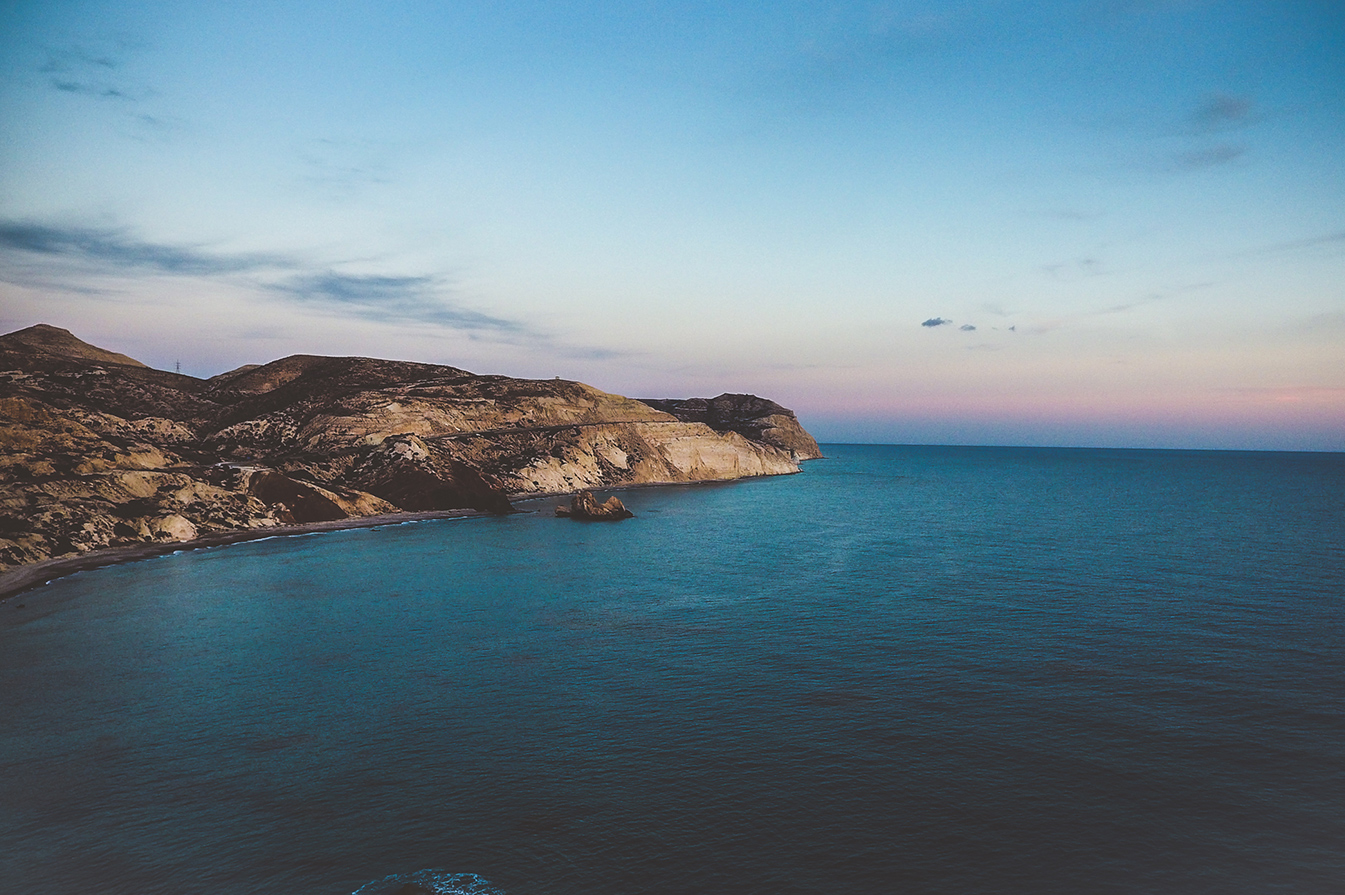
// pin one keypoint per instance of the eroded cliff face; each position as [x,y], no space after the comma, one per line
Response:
[98,450]
[756,419]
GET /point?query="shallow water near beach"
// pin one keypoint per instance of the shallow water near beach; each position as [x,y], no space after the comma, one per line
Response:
[906,670]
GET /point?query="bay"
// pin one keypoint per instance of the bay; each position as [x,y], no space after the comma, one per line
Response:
[907,669]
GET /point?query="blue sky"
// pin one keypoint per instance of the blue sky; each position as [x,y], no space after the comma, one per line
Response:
[1123,221]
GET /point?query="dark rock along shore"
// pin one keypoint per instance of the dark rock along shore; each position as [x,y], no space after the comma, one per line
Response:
[584,506]
[102,451]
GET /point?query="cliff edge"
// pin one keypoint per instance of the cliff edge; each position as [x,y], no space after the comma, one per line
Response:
[98,450]
[753,418]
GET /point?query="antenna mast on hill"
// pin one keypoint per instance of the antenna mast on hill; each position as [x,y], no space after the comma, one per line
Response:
[177,366]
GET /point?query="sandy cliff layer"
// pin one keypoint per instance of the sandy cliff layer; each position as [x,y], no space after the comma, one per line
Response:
[98,450]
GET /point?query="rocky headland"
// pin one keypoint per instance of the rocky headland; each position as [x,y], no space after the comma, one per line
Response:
[99,451]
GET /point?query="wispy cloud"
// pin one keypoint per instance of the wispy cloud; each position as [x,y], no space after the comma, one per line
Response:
[1128,305]
[1222,112]
[74,253]
[1075,269]
[1328,240]
[967,328]
[116,250]
[99,90]
[95,73]
[936,321]
[103,71]
[378,297]
[1217,114]
[1196,136]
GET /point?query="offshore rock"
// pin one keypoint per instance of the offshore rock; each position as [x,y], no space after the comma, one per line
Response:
[98,450]
[585,506]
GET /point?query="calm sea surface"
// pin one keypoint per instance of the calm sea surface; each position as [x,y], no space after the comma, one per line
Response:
[906,670]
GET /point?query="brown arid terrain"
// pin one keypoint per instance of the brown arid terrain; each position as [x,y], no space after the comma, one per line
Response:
[99,451]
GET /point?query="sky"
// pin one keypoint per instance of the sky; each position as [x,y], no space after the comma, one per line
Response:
[1093,223]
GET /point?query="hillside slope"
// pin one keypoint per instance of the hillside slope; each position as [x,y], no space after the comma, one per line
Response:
[99,450]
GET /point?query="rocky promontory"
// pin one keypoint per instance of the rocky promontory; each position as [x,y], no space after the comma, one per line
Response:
[753,418]
[98,450]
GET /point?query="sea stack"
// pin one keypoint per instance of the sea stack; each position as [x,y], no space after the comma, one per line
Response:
[584,506]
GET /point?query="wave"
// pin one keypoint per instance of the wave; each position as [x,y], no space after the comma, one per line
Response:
[429,882]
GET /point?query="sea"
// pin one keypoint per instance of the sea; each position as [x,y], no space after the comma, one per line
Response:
[904,670]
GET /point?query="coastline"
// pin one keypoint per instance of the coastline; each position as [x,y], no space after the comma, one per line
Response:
[172,456]
[527,496]
[20,579]
[23,578]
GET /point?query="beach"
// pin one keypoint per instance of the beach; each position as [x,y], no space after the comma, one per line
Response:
[22,578]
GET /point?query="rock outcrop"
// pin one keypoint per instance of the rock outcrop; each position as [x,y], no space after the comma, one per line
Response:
[585,507]
[756,419]
[99,450]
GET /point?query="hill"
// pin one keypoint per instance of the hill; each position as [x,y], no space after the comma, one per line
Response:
[100,450]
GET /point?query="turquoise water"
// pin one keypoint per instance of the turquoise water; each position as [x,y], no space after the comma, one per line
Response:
[907,669]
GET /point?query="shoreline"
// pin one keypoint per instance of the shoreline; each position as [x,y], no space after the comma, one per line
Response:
[21,579]
[24,578]
[527,496]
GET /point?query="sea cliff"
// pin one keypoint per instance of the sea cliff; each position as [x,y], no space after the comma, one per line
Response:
[98,450]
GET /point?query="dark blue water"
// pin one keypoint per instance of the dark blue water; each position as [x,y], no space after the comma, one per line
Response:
[907,670]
